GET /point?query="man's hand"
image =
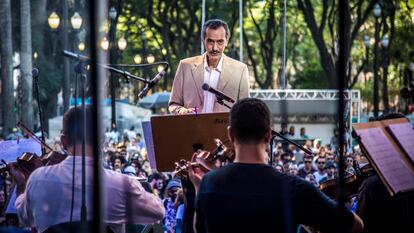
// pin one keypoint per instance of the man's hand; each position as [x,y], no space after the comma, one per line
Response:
[20,177]
[184,111]
[195,174]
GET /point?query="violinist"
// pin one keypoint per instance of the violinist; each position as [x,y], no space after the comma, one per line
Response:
[250,196]
[46,199]
[380,211]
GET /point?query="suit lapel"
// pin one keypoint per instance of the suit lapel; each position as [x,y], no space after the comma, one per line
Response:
[198,76]
[225,74]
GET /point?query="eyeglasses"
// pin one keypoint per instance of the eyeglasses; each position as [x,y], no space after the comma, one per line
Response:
[307,161]
[321,162]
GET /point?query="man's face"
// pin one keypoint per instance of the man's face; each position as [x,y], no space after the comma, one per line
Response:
[349,161]
[215,42]
[307,163]
[331,171]
[321,164]
[172,193]
[117,163]
[159,184]
[330,158]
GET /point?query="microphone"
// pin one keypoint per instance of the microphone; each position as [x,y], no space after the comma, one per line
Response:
[76,56]
[219,94]
[153,82]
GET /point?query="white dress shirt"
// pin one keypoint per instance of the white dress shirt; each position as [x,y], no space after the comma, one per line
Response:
[211,77]
[48,195]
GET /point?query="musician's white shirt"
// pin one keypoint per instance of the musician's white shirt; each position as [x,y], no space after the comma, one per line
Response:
[48,195]
[211,77]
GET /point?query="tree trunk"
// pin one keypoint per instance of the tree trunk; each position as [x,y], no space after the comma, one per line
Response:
[26,115]
[327,62]
[7,98]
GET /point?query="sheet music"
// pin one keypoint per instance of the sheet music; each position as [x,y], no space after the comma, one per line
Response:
[11,149]
[404,134]
[386,158]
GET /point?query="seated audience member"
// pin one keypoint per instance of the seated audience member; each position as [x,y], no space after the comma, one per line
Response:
[307,167]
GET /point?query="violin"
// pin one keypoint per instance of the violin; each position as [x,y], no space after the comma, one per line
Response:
[206,161]
[28,162]
[352,181]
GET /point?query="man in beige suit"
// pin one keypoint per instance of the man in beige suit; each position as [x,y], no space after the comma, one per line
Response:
[214,68]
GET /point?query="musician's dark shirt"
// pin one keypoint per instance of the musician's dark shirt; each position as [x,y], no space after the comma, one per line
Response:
[381,212]
[256,198]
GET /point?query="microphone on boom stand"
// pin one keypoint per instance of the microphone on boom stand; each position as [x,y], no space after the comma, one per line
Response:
[152,83]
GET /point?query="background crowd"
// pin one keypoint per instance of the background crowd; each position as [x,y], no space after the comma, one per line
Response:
[125,152]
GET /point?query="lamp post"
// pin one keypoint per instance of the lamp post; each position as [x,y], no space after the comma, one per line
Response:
[377,13]
[76,22]
[367,43]
[112,58]
[54,22]
[385,43]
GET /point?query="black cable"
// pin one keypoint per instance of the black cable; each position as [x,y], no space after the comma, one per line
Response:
[74,151]
[83,204]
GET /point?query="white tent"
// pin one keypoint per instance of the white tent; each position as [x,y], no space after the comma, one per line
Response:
[126,116]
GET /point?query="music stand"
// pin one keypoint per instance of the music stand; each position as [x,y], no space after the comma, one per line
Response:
[178,137]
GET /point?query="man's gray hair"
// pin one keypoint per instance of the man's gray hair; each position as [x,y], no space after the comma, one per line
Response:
[215,24]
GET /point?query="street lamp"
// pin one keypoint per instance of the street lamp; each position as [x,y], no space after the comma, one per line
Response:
[53,21]
[122,44]
[367,43]
[150,59]
[377,10]
[112,13]
[81,46]
[137,59]
[76,21]
[113,57]
[385,42]
[104,43]
[377,14]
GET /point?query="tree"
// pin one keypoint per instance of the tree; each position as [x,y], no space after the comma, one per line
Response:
[26,115]
[266,28]
[326,41]
[7,98]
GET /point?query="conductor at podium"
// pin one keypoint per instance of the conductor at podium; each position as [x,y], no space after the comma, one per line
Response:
[214,68]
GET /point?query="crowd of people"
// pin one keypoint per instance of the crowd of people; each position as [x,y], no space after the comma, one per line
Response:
[125,152]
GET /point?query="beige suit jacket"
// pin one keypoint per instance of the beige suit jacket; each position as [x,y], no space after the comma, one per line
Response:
[187,92]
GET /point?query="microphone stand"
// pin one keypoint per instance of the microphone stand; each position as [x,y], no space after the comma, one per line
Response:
[36,83]
[80,72]
[85,59]
[221,101]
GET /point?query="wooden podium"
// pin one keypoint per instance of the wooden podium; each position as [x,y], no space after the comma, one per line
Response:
[176,137]
[389,146]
